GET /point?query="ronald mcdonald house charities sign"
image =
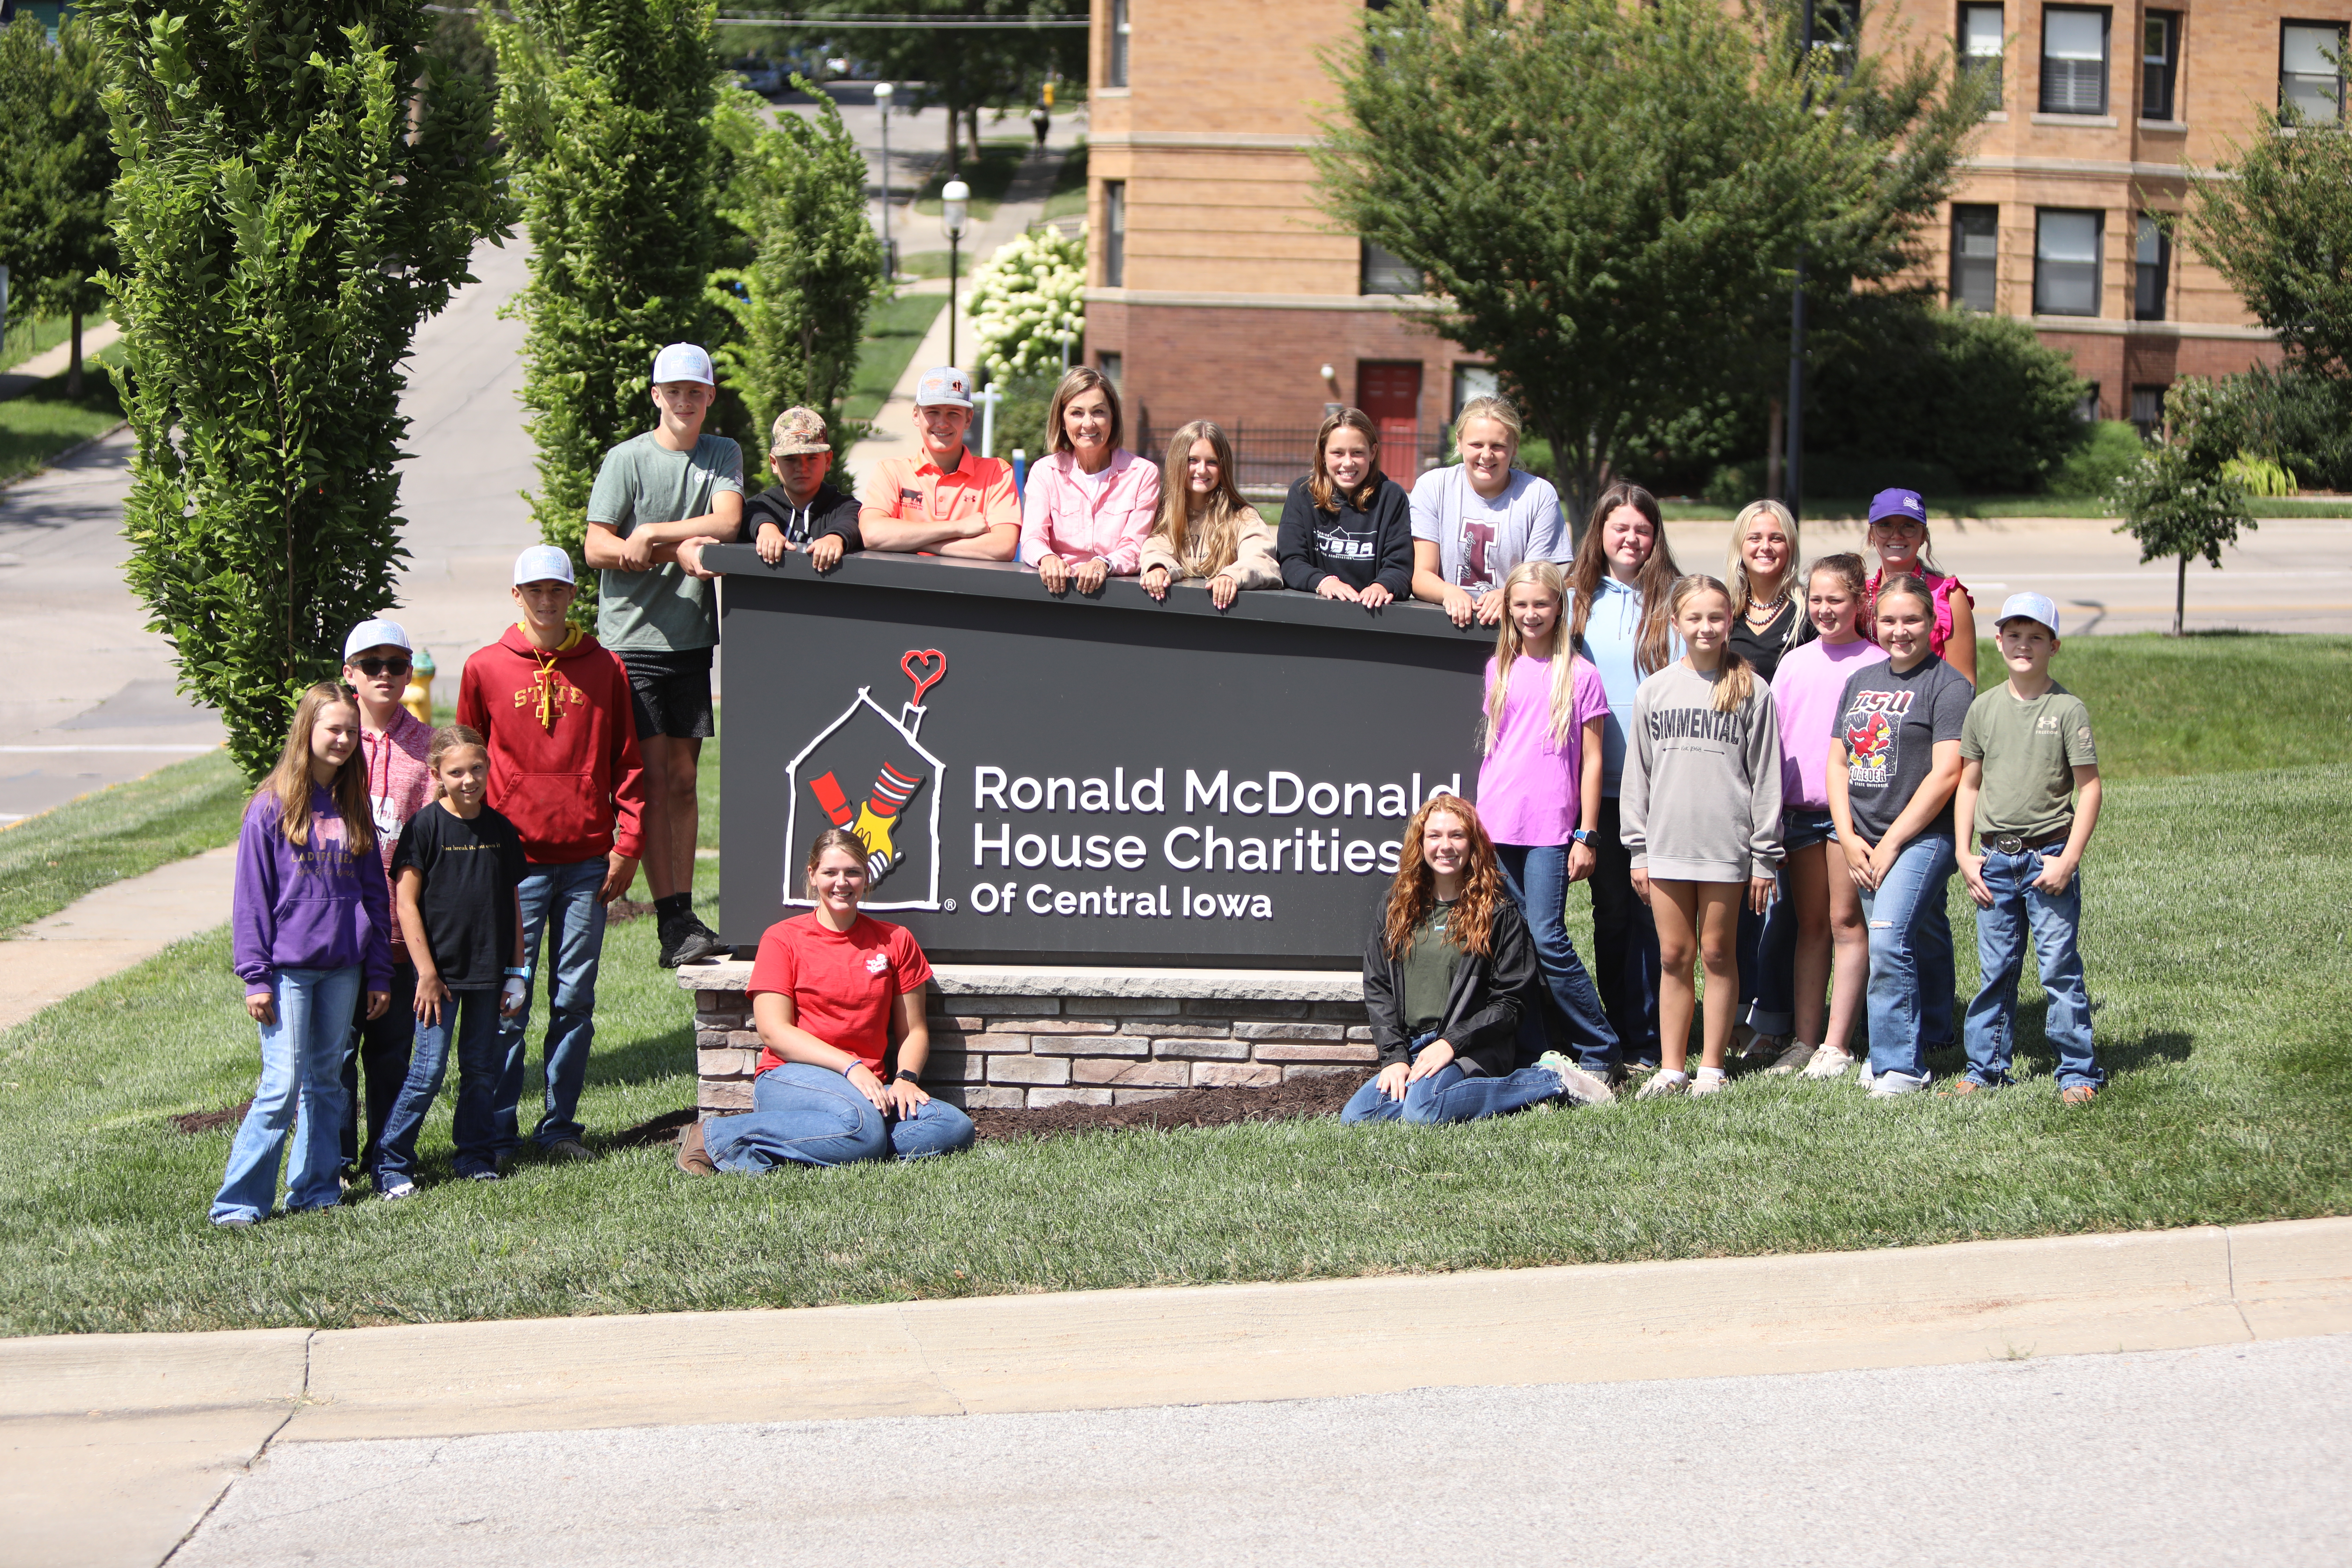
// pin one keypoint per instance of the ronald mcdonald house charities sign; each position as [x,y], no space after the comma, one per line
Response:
[1107,780]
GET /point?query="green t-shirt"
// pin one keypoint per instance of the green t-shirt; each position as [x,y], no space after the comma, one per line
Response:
[1429,967]
[663,609]
[2030,751]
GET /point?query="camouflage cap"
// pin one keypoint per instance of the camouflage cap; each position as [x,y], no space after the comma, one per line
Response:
[798,433]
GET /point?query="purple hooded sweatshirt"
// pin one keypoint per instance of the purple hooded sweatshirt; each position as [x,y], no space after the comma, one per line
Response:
[316,906]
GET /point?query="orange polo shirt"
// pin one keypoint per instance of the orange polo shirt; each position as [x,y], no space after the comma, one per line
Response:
[913,489]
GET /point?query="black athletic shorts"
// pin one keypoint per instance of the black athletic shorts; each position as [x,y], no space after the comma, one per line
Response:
[670,692]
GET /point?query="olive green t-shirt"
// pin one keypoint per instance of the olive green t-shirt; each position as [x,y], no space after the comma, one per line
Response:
[2030,751]
[1429,967]
[660,610]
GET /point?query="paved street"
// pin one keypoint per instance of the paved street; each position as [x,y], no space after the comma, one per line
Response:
[2229,1454]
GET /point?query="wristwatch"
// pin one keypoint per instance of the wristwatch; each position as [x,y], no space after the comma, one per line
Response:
[907,1074]
[1583,835]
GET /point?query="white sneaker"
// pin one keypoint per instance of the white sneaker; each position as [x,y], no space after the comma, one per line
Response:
[1663,1082]
[1710,1080]
[1831,1062]
[1575,1083]
[398,1190]
[1887,1084]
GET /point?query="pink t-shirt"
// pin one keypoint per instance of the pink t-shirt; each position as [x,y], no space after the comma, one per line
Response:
[1528,789]
[1807,689]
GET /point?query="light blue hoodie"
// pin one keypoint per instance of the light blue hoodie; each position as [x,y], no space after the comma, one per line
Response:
[1611,632]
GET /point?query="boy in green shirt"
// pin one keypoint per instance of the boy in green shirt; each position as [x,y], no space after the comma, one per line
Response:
[2029,786]
[658,500]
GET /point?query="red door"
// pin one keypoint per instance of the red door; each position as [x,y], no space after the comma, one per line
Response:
[1390,391]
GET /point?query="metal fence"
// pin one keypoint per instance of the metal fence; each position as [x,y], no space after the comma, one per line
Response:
[1271,457]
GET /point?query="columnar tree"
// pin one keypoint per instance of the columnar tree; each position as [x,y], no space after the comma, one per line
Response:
[59,163]
[300,186]
[1609,200]
[605,106]
[2183,500]
[795,204]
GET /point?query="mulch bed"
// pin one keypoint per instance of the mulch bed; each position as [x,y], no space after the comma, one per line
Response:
[205,1121]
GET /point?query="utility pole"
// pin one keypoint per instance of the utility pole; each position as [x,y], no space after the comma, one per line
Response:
[1793,468]
[882,95]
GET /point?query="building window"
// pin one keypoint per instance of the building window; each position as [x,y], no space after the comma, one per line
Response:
[2308,82]
[1382,273]
[2159,63]
[1472,381]
[2087,410]
[1976,257]
[1113,367]
[1115,69]
[1981,44]
[2151,270]
[2066,263]
[2073,61]
[1114,246]
[2147,411]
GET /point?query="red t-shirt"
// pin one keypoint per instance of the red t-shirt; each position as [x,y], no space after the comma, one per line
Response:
[842,983]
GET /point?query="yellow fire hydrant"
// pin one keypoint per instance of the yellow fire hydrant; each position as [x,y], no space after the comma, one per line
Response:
[418,698]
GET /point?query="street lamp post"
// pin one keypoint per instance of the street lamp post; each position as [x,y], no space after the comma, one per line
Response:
[953,201]
[882,95]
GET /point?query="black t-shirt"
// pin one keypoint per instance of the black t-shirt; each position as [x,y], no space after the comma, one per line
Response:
[829,511]
[1890,724]
[1764,645]
[471,870]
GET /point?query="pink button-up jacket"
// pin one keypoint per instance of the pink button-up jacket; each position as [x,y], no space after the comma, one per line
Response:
[1059,518]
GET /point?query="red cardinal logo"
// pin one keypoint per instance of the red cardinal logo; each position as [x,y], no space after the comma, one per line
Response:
[1867,746]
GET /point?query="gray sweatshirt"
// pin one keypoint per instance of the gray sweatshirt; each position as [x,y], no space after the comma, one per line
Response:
[1701,800]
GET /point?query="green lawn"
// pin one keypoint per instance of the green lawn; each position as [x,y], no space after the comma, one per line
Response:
[49,861]
[894,331]
[1069,197]
[43,422]
[990,176]
[23,340]
[934,264]
[2217,946]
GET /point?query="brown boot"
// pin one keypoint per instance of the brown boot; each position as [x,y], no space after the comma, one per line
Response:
[692,1158]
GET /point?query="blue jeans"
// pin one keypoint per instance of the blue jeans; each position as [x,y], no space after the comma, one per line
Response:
[1624,943]
[2054,919]
[1538,878]
[471,1018]
[1911,978]
[1768,942]
[563,897]
[301,1067]
[1449,1094]
[806,1115]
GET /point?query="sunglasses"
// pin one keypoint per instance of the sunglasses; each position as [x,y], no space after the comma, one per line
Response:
[381,665]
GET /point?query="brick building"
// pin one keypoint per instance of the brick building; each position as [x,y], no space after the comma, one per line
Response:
[1218,287]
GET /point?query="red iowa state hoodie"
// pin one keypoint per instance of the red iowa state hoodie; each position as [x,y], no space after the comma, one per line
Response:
[563,745]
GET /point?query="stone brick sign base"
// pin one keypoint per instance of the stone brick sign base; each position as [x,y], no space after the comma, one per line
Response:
[1024,1036]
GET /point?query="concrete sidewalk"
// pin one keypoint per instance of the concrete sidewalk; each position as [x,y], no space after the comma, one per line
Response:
[116,1445]
[104,932]
[25,374]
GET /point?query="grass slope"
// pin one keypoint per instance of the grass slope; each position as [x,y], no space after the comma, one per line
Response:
[49,860]
[43,422]
[894,331]
[2217,947]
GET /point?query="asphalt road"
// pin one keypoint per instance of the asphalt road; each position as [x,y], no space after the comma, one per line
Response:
[2233,1454]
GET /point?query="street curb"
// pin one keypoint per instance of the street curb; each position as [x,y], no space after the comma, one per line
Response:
[77,447]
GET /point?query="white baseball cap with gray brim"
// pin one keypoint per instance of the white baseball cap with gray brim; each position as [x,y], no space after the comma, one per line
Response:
[943,387]
[684,362]
[542,563]
[2028,607]
[376,632]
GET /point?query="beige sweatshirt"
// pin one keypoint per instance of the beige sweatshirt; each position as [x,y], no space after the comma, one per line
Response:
[1254,563]
[1701,799]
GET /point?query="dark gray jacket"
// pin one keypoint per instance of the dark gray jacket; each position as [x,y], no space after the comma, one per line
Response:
[1482,1010]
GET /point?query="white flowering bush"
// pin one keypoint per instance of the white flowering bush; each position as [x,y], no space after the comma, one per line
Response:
[1026,299]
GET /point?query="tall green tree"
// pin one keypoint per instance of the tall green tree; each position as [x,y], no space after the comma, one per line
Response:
[605,106]
[301,184]
[2184,500]
[1609,200]
[2277,224]
[57,164]
[808,262]
[961,69]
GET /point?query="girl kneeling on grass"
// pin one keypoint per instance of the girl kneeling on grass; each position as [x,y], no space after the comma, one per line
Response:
[1702,822]
[834,994]
[1894,765]
[1448,969]
[310,917]
[460,866]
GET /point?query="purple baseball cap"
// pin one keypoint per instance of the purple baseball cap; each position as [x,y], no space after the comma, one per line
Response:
[1899,503]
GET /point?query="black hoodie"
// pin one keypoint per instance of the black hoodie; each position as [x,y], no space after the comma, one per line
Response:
[829,511]
[1482,1010]
[1359,546]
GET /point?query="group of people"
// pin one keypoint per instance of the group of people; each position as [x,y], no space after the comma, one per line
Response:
[1769,777]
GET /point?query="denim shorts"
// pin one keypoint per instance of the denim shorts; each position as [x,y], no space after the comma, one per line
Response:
[1802,827]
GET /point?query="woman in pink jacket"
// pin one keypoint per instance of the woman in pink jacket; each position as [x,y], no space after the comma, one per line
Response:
[1089,505]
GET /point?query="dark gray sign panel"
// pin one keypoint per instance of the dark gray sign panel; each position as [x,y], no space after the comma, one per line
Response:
[1089,780]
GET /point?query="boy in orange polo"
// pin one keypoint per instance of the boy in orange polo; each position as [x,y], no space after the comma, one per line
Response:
[950,500]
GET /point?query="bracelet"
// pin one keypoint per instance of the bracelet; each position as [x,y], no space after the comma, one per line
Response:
[519,973]
[907,1074]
